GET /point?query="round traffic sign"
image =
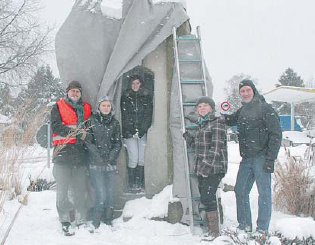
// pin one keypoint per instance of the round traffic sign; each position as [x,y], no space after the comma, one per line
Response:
[225,106]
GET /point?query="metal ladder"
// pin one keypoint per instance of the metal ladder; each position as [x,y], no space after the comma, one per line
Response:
[192,81]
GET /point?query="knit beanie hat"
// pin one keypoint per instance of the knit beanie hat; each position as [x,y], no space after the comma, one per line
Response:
[207,100]
[105,98]
[74,84]
[249,83]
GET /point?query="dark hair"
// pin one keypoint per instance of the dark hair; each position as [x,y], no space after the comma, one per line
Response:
[135,77]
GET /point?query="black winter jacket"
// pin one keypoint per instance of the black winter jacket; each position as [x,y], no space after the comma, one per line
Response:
[259,129]
[136,112]
[103,140]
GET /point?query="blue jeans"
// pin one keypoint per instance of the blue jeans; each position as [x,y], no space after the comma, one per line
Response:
[103,183]
[251,170]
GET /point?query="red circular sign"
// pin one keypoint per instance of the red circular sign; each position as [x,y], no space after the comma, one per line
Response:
[225,106]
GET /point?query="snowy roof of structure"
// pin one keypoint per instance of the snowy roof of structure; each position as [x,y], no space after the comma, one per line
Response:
[291,94]
[113,8]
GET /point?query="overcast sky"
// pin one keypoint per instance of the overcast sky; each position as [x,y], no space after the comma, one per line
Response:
[260,38]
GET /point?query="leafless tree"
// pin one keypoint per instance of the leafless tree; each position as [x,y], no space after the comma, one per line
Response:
[22,40]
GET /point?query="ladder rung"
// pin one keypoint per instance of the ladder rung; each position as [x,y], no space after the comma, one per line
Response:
[195,198]
[188,38]
[192,174]
[200,222]
[190,150]
[192,82]
[191,126]
[189,104]
[192,61]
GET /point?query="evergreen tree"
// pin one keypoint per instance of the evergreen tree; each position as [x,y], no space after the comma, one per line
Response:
[290,78]
[42,89]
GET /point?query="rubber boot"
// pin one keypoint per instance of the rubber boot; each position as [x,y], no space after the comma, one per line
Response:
[131,179]
[108,216]
[213,223]
[137,178]
[141,177]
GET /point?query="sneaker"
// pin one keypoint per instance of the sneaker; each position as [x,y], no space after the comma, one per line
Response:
[67,229]
[246,229]
[260,234]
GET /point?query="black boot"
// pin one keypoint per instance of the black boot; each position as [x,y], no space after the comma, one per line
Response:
[108,215]
[141,176]
[131,178]
[137,178]
[97,219]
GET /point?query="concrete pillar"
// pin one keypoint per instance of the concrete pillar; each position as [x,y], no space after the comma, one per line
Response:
[157,152]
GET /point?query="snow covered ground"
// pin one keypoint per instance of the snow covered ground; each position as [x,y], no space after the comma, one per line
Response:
[37,222]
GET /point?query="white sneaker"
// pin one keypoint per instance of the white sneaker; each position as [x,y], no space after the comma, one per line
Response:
[67,229]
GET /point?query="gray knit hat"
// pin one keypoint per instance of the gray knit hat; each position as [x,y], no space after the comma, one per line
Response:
[105,98]
[207,100]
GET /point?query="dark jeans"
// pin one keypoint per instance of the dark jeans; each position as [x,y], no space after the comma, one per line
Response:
[251,170]
[208,188]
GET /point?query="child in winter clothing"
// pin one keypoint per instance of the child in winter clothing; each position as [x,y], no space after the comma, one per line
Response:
[211,159]
[104,144]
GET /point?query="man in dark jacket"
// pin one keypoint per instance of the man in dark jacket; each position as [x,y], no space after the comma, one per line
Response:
[136,114]
[259,141]
[68,118]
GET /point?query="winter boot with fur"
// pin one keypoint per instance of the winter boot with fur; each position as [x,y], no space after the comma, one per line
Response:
[213,223]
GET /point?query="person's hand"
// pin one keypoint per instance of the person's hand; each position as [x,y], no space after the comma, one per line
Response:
[269,166]
[83,134]
[186,135]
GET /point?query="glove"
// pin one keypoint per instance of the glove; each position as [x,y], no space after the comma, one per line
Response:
[83,134]
[186,135]
[269,166]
